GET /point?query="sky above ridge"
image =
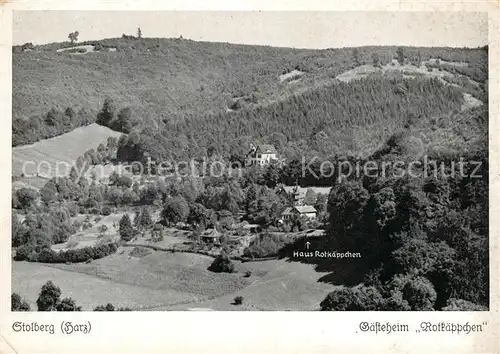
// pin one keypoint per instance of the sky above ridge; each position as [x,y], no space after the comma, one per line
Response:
[283,29]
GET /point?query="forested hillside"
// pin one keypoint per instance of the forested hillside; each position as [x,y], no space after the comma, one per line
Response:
[332,120]
[165,81]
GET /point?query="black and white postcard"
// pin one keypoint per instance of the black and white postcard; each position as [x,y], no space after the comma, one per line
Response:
[336,165]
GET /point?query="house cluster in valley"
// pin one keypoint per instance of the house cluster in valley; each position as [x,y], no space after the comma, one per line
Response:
[266,154]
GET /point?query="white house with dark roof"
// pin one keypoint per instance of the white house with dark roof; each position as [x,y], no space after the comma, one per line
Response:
[300,210]
[261,155]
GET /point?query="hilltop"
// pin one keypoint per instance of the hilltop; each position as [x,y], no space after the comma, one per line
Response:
[171,79]
[189,98]
[162,79]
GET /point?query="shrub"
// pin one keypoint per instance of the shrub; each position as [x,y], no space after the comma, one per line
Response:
[222,264]
[126,230]
[238,300]
[48,297]
[108,307]
[106,210]
[68,304]
[420,294]
[364,298]
[462,305]
[73,209]
[396,303]
[23,252]
[18,304]
[48,255]
[248,274]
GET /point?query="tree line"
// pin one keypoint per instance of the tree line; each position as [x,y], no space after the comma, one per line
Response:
[49,299]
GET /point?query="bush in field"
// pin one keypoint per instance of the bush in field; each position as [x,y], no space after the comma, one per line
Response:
[222,264]
[238,300]
[18,304]
[108,307]
[68,304]
[106,210]
[111,307]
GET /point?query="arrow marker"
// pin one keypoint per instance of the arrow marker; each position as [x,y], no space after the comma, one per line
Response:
[308,244]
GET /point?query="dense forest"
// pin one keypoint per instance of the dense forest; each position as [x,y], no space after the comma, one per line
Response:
[164,81]
[336,119]
[425,240]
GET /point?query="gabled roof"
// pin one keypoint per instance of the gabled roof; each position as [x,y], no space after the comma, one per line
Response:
[306,209]
[211,233]
[287,211]
[266,149]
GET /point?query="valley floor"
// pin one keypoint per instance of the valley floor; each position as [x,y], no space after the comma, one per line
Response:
[175,281]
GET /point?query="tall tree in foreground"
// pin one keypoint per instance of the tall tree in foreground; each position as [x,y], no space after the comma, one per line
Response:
[18,304]
[175,210]
[126,229]
[48,298]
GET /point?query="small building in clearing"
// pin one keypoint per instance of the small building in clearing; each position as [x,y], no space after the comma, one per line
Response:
[300,210]
[210,236]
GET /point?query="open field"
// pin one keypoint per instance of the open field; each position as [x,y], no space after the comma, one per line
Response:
[81,49]
[91,236]
[87,290]
[53,156]
[277,285]
[176,281]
